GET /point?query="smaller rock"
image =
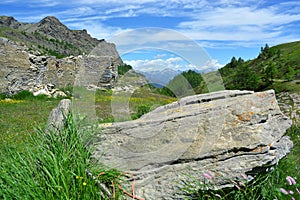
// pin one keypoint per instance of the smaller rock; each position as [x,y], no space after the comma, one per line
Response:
[58,116]
[92,87]
[50,86]
[58,94]
[4,40]
[43,91]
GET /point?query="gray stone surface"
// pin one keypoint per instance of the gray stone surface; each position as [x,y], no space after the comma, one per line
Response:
[229,134]
[58,116]
[21,69]
[290,105]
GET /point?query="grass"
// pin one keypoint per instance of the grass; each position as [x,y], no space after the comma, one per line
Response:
[35,165]
[102,103]
[21,113]
[38,166]
[54,166]
[140,102]
[283,59]
[288,86]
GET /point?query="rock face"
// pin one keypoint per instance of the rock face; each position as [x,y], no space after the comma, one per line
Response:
[21,69]
[9,22]
[49,34]
[26,66]
[229,134]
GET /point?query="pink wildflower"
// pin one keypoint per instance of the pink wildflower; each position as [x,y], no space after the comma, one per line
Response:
[290,180]
[298,190]
[283,191]
[236,184]
[207,176]
[210,173]
[242,184]
[244,176]
[291,192]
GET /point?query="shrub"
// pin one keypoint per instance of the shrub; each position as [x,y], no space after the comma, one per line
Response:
[23,95]
[122,69]
[141,110]
[3,96]
[27,95]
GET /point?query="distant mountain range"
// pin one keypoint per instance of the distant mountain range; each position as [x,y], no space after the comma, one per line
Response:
[160,78]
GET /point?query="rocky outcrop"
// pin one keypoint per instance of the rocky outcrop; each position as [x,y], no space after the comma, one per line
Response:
[22,69]
[33,64]
[230,134]
[49,36]
[9,22]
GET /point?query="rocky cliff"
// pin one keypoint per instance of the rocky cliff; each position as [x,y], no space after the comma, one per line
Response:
[49,36]
[36,56]
[24,69]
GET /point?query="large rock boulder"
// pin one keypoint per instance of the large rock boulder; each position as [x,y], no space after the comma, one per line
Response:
[230,134]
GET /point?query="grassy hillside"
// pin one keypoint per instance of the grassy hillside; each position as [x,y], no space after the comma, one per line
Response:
[275,67]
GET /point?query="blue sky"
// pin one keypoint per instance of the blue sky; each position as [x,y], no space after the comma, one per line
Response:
[223,28]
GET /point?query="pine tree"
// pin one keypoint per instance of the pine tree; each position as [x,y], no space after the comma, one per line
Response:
[270,72]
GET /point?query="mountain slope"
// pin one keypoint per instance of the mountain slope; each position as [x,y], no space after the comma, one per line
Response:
[49,36]
[276,67]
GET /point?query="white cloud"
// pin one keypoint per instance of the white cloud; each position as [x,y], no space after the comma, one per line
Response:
[160,56]
[211,65]
[121,9]
[238,24]
[43,3]
[175,63]
[8,1]
[97,29]
[239,16]
[159,38]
